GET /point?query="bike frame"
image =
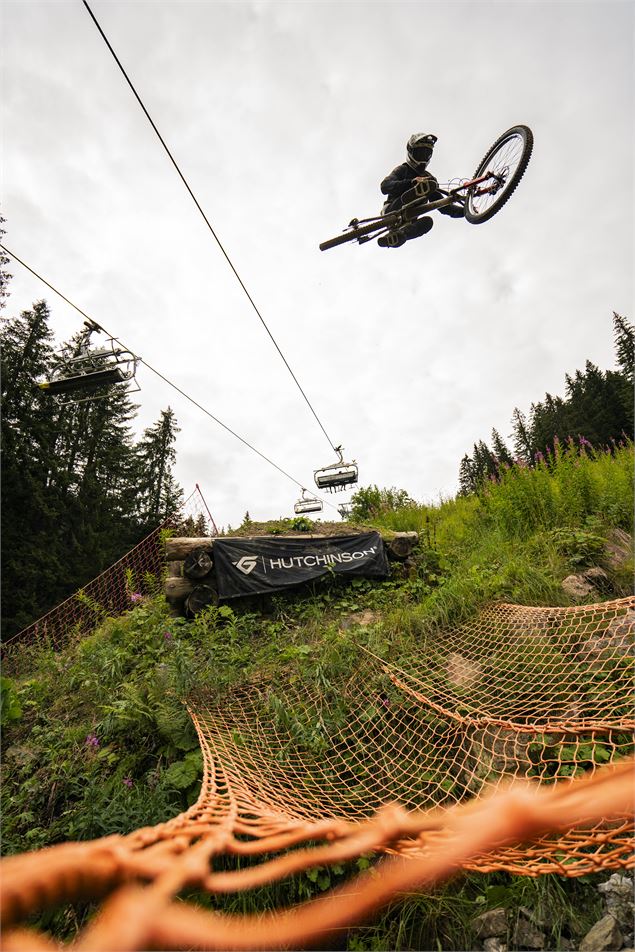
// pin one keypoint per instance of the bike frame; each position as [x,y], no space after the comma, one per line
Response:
[368,227]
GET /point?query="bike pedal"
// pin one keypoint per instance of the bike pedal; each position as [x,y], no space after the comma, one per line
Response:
[422,189]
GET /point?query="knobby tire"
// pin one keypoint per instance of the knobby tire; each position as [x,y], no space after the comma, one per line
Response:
[354,234]
[525,133]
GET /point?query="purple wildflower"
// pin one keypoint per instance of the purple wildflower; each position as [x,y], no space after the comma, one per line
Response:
[127,782]
[167,635]
[92,740]
[583,441]
[136,597]
[539,457]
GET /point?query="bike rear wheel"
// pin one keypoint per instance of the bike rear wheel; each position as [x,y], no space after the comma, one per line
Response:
[507,159]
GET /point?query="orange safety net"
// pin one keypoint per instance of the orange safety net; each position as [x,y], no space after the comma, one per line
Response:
[505,745]
[137,573]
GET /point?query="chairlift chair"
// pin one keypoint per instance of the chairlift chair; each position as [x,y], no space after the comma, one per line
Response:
[345,509]
[90,371]
[337,475]
[307,504]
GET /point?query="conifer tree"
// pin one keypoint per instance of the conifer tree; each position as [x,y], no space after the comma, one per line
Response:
[467,481]
[624,334]
[522,437]
[501,452]
[29,522]
[5,277]
[159,494]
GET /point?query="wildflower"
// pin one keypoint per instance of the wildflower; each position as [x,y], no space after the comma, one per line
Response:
[127,782]
[583,441]
[539,457]
[92,740]
[136,597]
[167,635]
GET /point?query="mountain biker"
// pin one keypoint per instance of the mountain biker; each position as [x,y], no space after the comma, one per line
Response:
[404,177]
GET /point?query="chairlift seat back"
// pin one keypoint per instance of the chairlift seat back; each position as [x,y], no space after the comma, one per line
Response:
[336,476]
[85,382]
[307,505]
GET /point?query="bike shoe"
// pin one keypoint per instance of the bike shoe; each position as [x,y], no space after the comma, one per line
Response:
[394,239]
[419,227]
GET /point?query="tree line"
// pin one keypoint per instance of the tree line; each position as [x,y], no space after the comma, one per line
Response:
[596,410]
[78,491]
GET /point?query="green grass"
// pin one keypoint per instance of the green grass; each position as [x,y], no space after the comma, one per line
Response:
[124,685]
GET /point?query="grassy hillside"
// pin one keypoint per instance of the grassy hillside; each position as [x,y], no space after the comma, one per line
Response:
[96,738]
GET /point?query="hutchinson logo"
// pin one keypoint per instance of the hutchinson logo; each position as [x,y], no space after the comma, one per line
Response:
[247,564]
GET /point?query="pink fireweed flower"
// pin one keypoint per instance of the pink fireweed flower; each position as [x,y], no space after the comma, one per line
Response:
[92,740]
[136,597]
[167,635]
[127,782]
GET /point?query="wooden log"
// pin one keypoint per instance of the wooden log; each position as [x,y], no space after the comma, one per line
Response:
[198,564]
[177,588]
[401,545]
[175,569]
[179,548]
[200,597]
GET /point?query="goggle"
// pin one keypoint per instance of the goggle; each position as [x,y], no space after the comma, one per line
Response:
[422,151]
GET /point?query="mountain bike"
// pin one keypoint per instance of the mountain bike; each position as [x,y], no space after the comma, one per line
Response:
[481,197]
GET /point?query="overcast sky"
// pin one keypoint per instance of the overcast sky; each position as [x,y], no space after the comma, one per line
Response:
[284,117]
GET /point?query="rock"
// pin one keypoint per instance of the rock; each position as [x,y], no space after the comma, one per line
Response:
[543,920]
[492,754]
[618,897]
[617,640]
[619,549]
[603,937]
[598,578]
[490,924]
[527,935]
[576,586]
[462,673]
[360,618]
[618,885]
[22,756]
[494,944]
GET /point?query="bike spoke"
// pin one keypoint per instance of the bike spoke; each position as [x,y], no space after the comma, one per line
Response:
[502,163]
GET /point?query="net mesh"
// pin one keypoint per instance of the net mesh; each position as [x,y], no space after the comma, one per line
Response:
[505,744]
[533,693]
[136,574]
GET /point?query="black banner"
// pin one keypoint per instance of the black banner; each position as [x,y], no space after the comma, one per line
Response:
[254,566]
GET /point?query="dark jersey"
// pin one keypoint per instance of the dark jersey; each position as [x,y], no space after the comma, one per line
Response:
[398,182]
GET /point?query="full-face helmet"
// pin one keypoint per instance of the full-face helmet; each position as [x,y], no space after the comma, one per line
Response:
[419,148]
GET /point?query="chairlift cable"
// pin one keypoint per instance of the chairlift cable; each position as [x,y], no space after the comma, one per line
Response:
[205,218]
[159,374]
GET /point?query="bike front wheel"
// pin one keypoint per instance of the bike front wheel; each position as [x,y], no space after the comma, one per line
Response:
[507,160]
[353,234]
